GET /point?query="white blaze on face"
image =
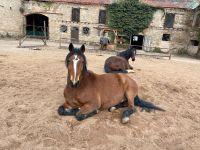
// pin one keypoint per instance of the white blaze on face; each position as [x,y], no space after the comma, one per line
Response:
[75,62]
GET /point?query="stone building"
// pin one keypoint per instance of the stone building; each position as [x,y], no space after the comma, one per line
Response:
[11,18]
[79,20]
[174,25]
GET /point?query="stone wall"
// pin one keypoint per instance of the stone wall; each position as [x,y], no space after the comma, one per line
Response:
[179,34]
[60,14]
[11,18]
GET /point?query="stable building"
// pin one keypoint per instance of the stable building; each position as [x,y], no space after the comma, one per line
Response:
[76,20]
[174,26]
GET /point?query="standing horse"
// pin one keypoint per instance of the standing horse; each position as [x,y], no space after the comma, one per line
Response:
[119,63]
[87,92]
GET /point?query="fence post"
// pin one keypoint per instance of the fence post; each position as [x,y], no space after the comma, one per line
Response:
[60,42]
[45,34]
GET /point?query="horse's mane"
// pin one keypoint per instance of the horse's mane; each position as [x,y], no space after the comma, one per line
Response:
[78,52]
[127,53]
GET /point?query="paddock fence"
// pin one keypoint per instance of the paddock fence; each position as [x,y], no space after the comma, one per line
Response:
[95,47]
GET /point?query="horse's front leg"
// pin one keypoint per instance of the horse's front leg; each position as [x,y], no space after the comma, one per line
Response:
[129,66]
[86,111]
[66,110]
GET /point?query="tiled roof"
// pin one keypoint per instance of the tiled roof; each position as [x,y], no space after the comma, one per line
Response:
[188,4]
[87,2]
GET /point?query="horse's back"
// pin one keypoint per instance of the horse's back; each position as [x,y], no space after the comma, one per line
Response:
[115,63]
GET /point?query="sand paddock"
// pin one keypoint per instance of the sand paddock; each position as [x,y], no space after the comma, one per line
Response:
[31,89]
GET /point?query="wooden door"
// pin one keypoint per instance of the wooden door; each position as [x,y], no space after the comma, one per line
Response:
[74,34]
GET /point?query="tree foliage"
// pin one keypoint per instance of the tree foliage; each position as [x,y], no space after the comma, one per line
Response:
[129,16]
[198,34]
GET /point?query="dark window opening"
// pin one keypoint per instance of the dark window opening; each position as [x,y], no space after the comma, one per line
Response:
[194,42]
[76,14]
[169,20]
[166,37]
[102,16]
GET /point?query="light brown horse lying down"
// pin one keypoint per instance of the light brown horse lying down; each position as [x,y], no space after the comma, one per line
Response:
[87,92]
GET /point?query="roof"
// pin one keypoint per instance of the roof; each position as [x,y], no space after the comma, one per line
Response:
[187,4]
[86,2]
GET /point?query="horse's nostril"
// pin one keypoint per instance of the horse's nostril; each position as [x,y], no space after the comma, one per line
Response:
[75,84]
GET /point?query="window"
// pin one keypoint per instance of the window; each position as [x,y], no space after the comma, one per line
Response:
[194,42]
[76,14]
[166,37]
[169,20]
[102,16]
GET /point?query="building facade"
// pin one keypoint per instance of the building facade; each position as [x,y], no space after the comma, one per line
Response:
[11,18]
[174,26]
[79,20]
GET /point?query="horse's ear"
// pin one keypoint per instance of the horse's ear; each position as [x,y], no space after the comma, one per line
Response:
[82,48]
[71,47]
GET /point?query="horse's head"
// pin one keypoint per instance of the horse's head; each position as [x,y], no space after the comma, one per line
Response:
[132,53]
[76,64]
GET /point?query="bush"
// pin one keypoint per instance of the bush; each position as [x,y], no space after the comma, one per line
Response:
[182,51]
[157,50]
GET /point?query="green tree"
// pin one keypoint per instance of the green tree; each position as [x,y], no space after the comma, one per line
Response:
[129,16]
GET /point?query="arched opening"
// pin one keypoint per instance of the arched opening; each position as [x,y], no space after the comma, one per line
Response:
[37,26]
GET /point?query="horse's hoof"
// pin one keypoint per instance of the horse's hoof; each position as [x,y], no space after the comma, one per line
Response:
[111,109]
[130,71]
[61,110]
[125,120]
[80,117]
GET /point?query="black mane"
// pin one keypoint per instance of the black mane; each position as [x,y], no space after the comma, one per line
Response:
[127,53]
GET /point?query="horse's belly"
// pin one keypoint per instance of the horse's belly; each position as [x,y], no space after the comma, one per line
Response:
[110,102]
[111,98]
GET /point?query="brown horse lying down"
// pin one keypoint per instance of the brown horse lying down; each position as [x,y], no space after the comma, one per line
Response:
[87,92]
[119,63]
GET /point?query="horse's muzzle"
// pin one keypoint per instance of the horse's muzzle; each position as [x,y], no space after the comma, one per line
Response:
[75,84]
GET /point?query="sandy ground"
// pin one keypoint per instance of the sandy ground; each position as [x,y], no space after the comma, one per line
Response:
[31,89]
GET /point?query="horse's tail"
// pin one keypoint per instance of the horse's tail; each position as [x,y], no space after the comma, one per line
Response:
[146,105]
[108,70]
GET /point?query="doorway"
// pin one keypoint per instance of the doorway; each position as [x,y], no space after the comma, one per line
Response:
[75,34]
[137,41]
[37,25]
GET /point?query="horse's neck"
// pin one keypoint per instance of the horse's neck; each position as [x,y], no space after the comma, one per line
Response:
[84,78]
[124,55]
